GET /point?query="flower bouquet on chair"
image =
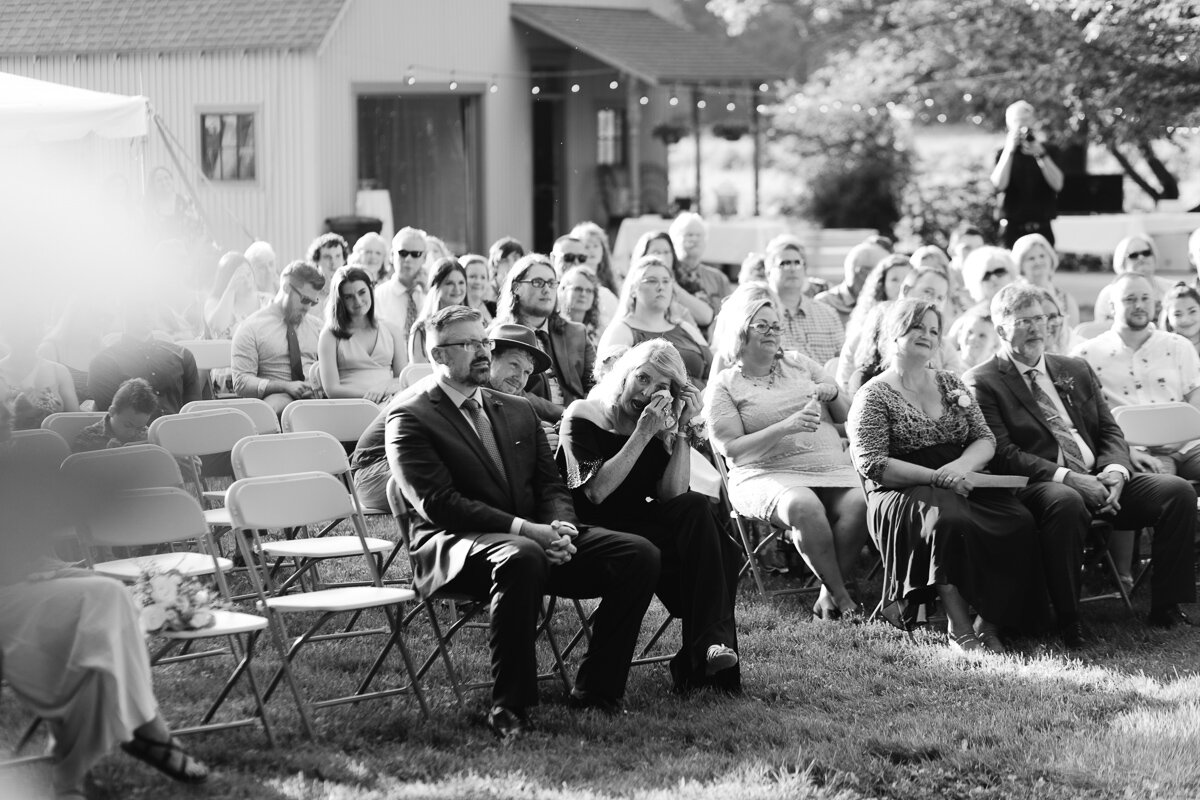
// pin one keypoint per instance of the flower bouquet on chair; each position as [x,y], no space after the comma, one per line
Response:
[172,602]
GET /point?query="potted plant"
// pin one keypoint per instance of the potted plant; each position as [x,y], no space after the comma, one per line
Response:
[670,131]
[730,131]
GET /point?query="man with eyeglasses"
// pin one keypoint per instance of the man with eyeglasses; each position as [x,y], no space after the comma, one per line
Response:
[399,299]
[274,348]
[812,328]
[495,519]
[530,298]
[1052,425]
[1026,178]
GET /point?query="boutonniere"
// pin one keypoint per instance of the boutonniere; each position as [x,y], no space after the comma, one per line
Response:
[1065,385]
[960,398]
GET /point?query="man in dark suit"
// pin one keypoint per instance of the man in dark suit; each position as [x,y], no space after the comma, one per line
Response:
[495,519]
[528,298]
[1053,426]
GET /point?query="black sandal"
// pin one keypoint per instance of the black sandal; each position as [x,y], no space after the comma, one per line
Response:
[167,757]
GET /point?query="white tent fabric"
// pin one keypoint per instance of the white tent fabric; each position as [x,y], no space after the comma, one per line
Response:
[36,112]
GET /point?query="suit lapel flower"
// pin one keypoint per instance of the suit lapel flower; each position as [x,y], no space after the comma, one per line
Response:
[1065,386]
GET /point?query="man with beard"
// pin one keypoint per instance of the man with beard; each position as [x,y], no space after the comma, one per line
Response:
[274,348]
[1052,425]
[494,519]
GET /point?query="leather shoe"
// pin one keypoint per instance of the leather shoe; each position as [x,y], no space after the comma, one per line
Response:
[1073,635]
[1167,617]
[508,725]
[580,700]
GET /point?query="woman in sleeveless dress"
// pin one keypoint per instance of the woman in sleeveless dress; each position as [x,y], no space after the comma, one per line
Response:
[357,355]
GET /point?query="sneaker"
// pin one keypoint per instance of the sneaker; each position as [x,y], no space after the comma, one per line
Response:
[720,657]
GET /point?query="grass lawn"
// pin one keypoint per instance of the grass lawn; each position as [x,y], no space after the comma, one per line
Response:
[830,711]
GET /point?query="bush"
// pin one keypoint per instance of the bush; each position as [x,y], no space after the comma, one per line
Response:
[938,199]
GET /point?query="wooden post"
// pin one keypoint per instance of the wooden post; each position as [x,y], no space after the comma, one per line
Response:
[696,98]
[757,138]
[633,150]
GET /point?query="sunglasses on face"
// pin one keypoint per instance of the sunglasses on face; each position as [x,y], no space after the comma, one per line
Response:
[1140,254]
[574,258]
[307,301]
[403,254]
[995,273]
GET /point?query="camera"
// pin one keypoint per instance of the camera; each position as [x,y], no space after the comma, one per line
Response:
[1028,136]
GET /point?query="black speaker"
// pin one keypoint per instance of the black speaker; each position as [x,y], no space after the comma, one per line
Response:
[1092,194]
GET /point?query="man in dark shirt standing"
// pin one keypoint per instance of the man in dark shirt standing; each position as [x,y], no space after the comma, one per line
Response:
[1026,177]
[169,369]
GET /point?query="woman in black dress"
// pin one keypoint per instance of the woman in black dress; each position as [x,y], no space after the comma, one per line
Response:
[625,457]
[919,439]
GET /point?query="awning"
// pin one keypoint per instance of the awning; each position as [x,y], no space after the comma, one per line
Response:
[33,112]
[647,46]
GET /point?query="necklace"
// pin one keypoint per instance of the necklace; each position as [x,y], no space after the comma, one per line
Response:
[759,380]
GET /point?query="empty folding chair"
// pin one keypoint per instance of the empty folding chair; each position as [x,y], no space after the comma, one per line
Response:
[289,453]
[210,353]
[312,498]
[467,611]
[344,419]
[148,517]
[411,374]
[260,413]
[39,446]
[69,424]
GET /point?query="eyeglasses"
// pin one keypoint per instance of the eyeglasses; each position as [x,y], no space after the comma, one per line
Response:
[1140,254]
[307,301]
[763,328]
[581,290]
[574,258]
[471,344]
[403,254]
[541,283]
[655,283]
[1029,323]
[995,273]
[793,265]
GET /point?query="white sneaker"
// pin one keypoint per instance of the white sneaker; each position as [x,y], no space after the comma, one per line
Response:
[720,657]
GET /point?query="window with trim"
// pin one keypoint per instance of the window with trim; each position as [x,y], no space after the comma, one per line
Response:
[227,146]
[610,136]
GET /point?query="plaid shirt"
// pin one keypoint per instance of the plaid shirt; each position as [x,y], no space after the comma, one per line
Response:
[814,329]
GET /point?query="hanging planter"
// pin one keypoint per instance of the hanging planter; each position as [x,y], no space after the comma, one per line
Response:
[730,131]
[670,132]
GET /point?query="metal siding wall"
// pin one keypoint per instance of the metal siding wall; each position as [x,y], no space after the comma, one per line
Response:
[280,206]
[375,43]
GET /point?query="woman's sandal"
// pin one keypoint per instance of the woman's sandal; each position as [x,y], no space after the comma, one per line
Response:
[966,642]
[167,757]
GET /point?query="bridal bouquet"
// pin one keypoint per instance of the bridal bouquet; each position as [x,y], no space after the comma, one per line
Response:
[172,602]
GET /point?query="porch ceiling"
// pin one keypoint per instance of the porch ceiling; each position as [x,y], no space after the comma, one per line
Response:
[645,45]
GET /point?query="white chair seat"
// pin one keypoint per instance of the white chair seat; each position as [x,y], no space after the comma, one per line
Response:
[325,547]
[218,518]
[216,495]
[227,623]
[188,564]
[346,598]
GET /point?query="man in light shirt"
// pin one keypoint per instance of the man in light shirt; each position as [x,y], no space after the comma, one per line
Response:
[1053,426]
[274,348]
[398,299]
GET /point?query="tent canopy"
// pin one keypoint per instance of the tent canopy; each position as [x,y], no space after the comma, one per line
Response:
[35,112]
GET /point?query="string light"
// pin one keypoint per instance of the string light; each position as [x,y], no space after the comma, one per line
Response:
[701,104]
[493,87]
[763,87]
[674,101]
[536,90]
[453,83]
[644,100]
[613,85]
[575,88]
[409,78]
[731,107]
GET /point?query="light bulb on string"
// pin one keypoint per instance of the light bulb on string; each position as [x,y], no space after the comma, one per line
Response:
[644,100]
[763,87]
[731,106]
[453,83]
[536,90]
[967,97]
[409,78]
[674,101]
[493,87]
[613,84]
[575,88]
[929,102]
[701,104]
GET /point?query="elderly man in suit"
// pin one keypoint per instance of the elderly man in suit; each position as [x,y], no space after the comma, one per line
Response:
[1053,425]
[496,520]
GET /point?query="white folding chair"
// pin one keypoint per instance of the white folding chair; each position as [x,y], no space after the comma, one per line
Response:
[210,353]
[260,413]
[316,451]
[294,501]
[344,419]
[39,446]
[413,373]
[467,610]
[149,517]
[69,424]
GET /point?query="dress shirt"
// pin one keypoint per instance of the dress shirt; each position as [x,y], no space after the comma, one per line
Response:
[814,329]
[391,304]
[260,350]
[1043,379]
[169,368]
[458,398]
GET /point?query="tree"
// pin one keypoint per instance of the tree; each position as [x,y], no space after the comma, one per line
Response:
[1121,74]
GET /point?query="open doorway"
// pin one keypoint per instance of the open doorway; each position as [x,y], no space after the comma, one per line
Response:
[548,181]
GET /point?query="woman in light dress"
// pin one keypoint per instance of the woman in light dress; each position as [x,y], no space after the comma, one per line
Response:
[357,355]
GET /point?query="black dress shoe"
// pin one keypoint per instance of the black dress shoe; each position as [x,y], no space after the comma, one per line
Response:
[1073,635]
[588,701]
[1167,617]
[507,724]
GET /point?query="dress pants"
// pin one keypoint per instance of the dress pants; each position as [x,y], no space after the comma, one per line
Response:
[620,568]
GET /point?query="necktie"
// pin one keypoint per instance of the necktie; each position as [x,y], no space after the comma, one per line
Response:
[484,428]
[293,343]
[410,314]
[549,379]
[1072,455]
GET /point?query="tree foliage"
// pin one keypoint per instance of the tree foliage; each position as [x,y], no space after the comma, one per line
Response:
[1122,73]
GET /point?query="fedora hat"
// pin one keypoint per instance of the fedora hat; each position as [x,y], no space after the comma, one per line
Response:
[513,335]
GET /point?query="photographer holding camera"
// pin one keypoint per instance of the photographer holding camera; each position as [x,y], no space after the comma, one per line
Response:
[1027,178]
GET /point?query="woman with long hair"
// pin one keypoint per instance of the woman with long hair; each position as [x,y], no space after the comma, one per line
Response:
[660,245]
[1181,313]
[579,299]
[357,355]
[881,285]
[233,297]
[771,414]
[448,287]
[645,312]
[476,268]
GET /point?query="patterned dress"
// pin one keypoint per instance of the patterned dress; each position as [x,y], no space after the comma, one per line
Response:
[810,460]
[983,544]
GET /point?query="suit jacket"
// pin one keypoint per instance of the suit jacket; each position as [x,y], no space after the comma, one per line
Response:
[450,481]
[1025,445]
[573,355]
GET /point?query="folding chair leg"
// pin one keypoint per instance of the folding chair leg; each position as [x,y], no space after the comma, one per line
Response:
[285,672]
[442,647]
[547,629]
[243,666]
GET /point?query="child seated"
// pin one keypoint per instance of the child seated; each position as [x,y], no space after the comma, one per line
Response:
[133,406]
